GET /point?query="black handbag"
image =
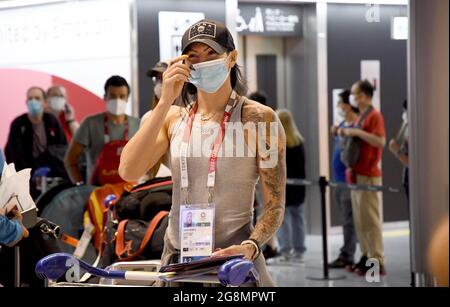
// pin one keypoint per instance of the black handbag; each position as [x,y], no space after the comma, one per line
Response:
[351,146]
[42,241]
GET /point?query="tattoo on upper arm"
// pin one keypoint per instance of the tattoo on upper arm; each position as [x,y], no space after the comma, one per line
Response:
[255,116]
[273,178]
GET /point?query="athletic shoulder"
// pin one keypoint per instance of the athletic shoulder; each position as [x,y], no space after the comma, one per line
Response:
[175,113]
[253,111]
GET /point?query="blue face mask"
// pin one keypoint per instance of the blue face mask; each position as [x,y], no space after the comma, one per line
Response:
[209,76]
[35,107]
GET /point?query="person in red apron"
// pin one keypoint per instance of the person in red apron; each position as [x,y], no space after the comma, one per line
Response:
[102,137]
[213,192]
[107,165]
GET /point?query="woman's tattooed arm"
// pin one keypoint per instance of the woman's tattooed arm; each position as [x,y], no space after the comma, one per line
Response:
[271,158]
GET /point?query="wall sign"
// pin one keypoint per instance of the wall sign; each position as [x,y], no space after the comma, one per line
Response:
[172,26]
[269,19]
[371,70]
[399,28]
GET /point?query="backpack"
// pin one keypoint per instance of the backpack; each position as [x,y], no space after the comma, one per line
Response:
[106,169]
[138,224]
[136,238]
[351,146]
[145,201]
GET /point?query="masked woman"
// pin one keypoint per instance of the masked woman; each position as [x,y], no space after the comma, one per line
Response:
[192,139]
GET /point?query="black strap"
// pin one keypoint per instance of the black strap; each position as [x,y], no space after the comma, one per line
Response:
[364,116]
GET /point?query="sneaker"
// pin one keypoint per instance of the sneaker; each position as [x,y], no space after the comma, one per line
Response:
[360,265]
[280,259]
[270,252]
[341,263]
[383,270]
[297,257]
[362,271]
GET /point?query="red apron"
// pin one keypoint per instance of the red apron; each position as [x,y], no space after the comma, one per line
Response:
[106,168]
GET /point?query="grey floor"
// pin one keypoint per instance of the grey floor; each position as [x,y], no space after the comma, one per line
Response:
[396,246]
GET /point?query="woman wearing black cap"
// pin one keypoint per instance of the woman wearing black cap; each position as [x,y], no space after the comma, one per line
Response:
[191,139]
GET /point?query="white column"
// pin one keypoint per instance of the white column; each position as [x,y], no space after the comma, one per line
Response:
[322,95]
[428,73]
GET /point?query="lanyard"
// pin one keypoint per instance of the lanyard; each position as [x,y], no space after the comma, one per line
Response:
[215,150]
[125,132]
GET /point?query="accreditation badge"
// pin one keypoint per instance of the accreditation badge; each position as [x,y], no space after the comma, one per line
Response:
[196,231]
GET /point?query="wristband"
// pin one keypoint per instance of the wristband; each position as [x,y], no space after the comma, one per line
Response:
[255,244]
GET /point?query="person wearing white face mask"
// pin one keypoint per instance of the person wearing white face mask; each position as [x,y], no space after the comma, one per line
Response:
[57,104]
[103,135]
[343,200]
[219,194]
[31,134]
[370,131]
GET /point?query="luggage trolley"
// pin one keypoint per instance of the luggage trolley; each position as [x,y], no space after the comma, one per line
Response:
[226,271]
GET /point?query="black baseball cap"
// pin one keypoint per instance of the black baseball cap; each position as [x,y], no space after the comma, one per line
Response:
[159,68]
[209,32]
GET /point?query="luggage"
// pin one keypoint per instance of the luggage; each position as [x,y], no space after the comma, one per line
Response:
[47,197]
[42,241]
[137,223]
[140,240]
[96,211]
[66,209]
[145,200]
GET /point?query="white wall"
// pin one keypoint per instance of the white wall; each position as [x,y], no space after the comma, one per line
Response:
[84,42]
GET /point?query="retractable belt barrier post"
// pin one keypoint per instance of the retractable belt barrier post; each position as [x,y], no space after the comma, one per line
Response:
[323,183]
[17,281]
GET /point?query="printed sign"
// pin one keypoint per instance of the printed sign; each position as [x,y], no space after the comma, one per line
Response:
[269,20]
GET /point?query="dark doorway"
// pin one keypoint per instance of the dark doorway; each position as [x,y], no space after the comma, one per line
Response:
[266,67]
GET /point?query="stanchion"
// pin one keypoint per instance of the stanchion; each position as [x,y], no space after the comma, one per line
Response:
[17,282]
[323,183]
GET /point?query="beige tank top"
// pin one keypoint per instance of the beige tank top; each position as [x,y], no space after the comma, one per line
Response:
[236,177]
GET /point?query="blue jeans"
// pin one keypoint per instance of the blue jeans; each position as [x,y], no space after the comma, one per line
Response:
[291,234]
[344,202]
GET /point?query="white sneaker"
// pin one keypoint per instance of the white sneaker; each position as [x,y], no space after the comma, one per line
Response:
[278,259]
